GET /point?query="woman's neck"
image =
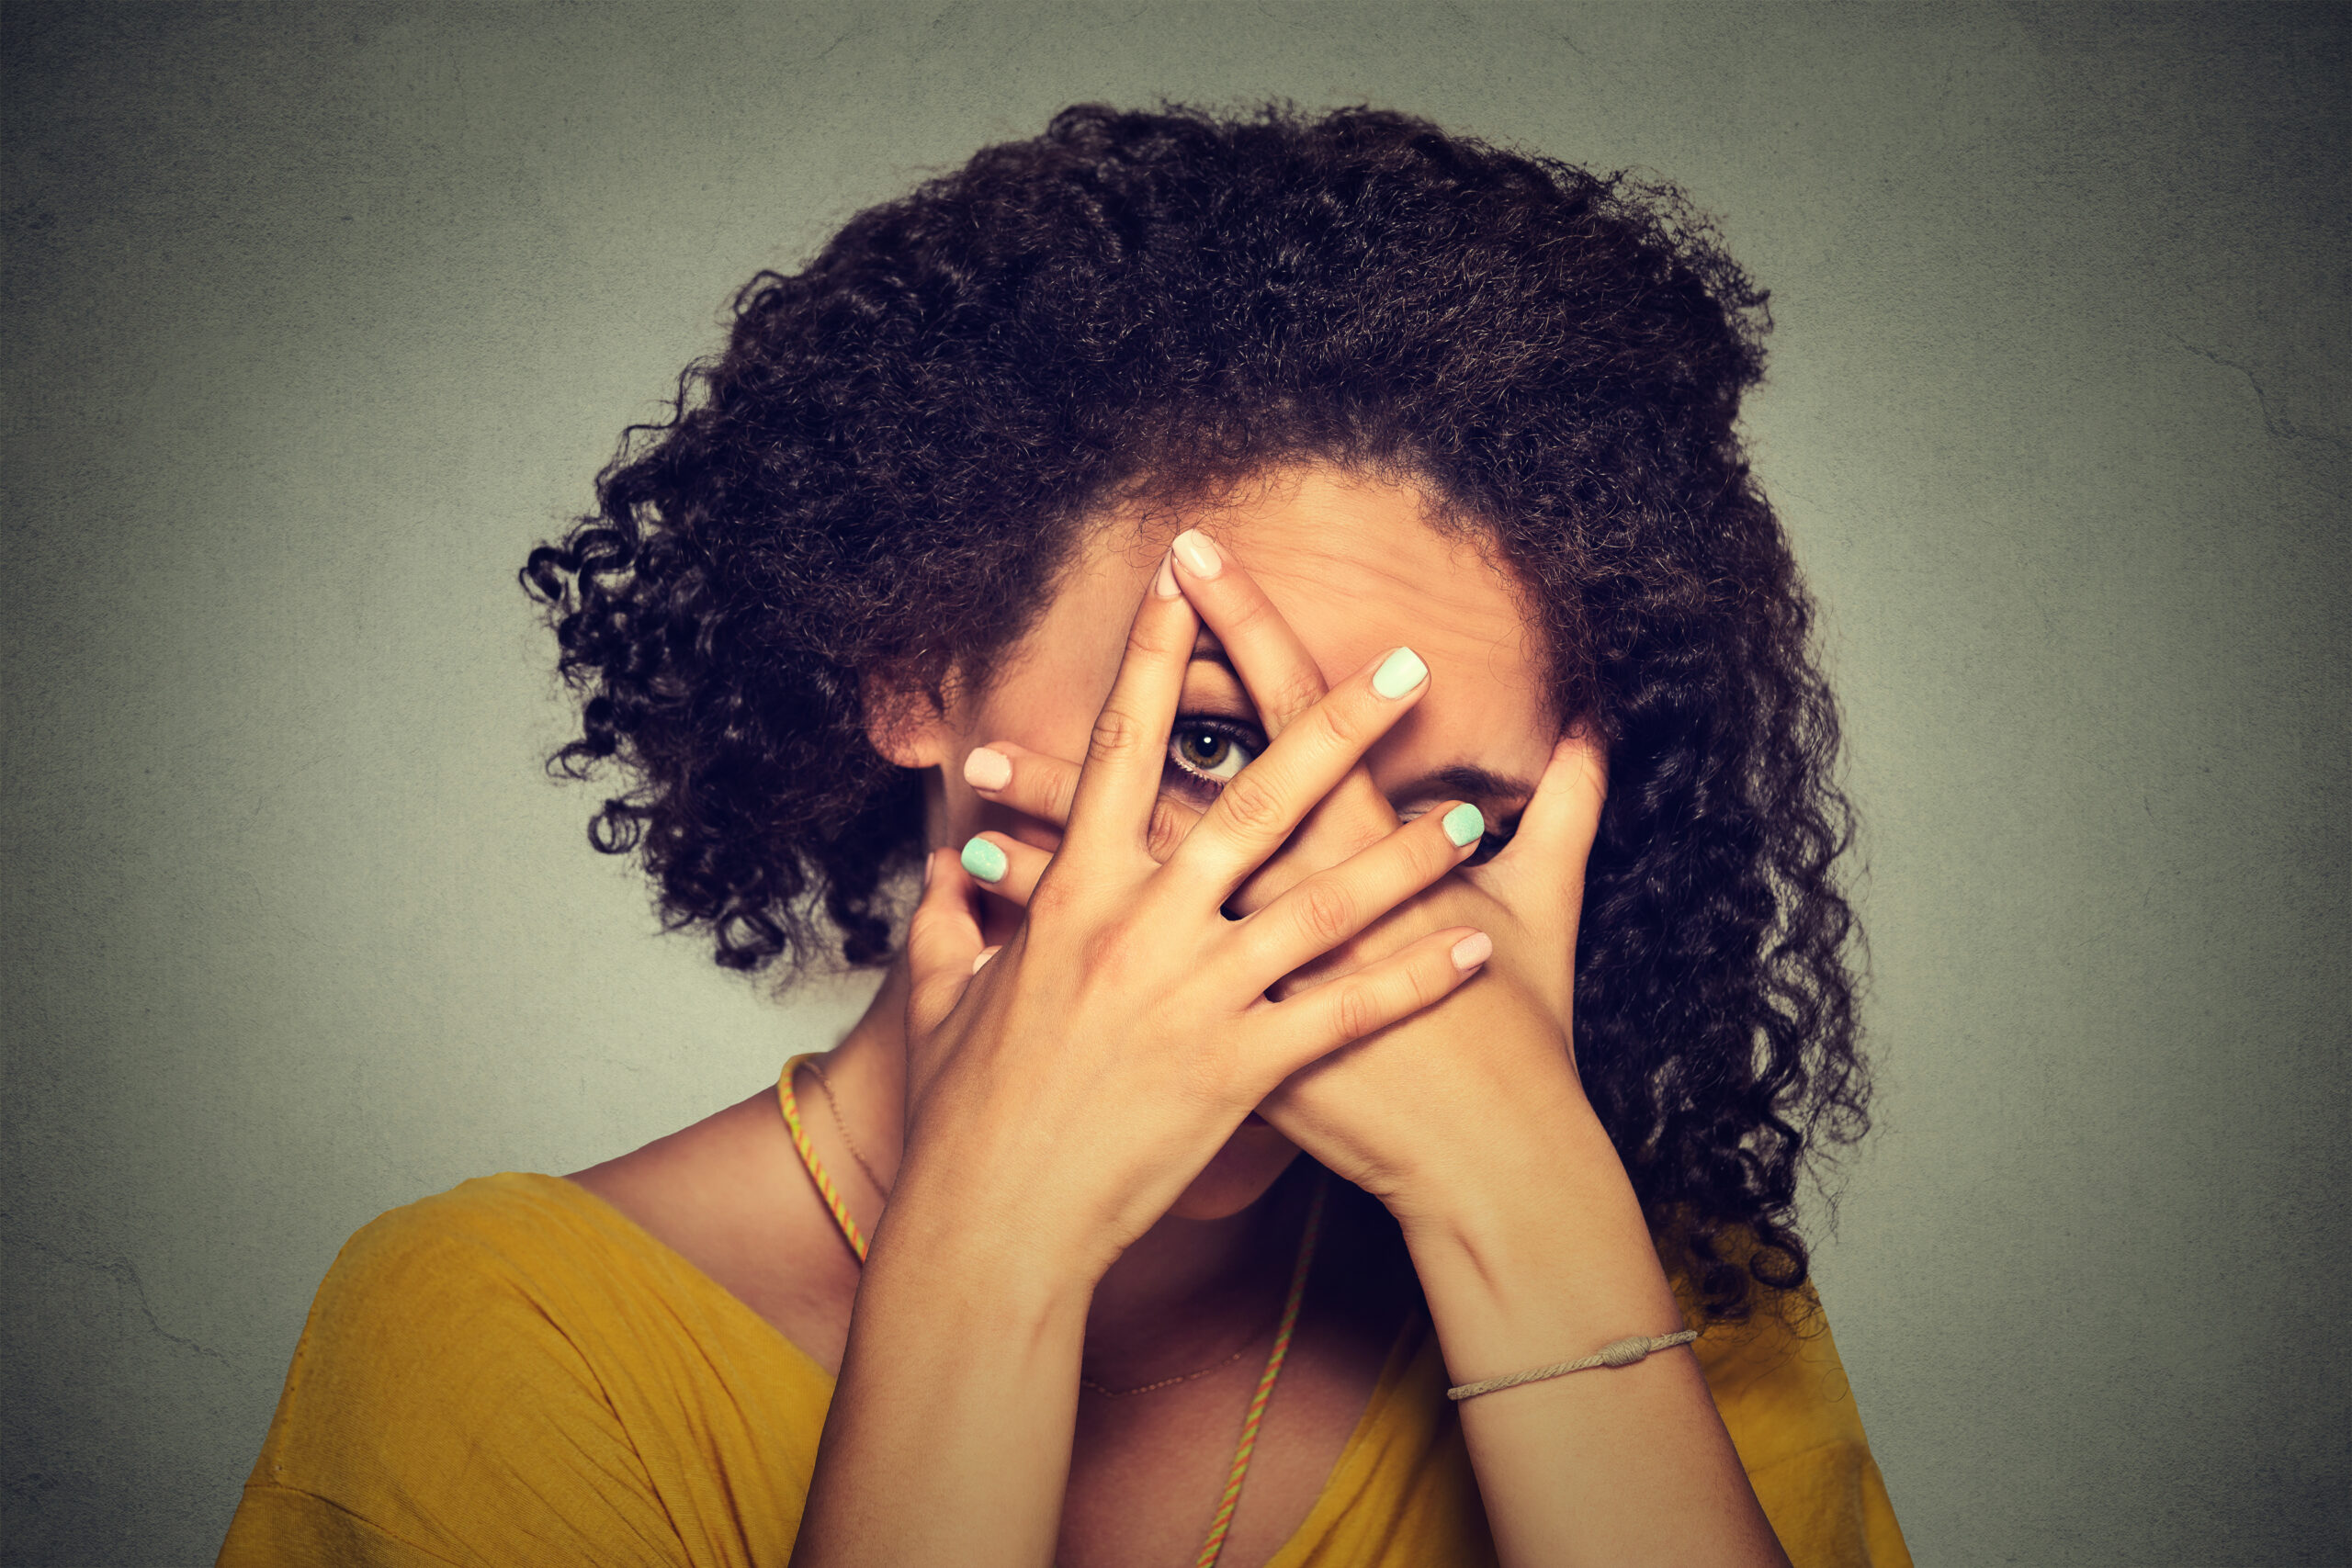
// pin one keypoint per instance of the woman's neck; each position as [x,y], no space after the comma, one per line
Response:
[1184,1288]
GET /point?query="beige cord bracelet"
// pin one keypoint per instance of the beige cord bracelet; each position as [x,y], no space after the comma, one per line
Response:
[1623,1353]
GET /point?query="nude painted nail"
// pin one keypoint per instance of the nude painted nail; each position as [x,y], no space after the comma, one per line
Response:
[985,860]
[981,961]
[1399,673]
[1473,950]
[985,769]
[1163,586]
[1464,825]
[1200,556]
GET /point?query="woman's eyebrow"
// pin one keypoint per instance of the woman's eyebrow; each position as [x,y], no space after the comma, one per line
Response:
[1462,779]
[1206,646]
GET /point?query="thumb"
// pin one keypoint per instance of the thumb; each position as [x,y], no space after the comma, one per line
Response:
[1556,829]
[943,940]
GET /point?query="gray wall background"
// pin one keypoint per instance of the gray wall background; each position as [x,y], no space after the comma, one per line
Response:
[317,317]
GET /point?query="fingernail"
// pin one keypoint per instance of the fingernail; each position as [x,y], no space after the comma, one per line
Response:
[984,859]
[1473,950]
[1164,585]
[985,769]
[1465,824]
[980,961]
[1200,556]
[928,861]
[1399,673]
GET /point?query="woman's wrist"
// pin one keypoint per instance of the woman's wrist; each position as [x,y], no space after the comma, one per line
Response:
[1536,1252]
[1011,1239]
[959,1381]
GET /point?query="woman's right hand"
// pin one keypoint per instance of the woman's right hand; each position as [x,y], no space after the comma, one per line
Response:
[1071,1086]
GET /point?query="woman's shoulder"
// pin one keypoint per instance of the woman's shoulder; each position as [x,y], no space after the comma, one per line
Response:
[520,1248]
[517,1284]
[514,1215]
[515,1355]
[523,1265]
[1785,1397]
[515,1230]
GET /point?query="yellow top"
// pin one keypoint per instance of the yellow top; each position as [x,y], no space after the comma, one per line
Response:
[513,1373]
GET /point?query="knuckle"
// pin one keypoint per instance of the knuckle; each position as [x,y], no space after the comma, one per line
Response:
[1357,1008]
[1110,949]
[1117,736]
[1250,805]
[1341,725]
[1432,854]
[1293,693]
[1246,611]
[1326,913]
[1152,637]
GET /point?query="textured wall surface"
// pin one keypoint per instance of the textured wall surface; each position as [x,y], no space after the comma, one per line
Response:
[317,317]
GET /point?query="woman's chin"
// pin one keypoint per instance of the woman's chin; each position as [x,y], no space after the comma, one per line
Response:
[1239,1174]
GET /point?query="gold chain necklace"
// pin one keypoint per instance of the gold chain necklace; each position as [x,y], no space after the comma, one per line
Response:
[835,1107]
[1090,1387]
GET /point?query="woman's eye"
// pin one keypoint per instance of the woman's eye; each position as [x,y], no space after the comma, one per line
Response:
[1211,752]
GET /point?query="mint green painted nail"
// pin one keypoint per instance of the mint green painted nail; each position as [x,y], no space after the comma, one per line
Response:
[1399,673]
[987,862]
[1465,824]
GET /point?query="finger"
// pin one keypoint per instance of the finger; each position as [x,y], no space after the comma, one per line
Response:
[1042,786]
[1319,1021]
[942,936]
[1030,781]
[1281,676]
[1004,865]
[1556,829]
[1120,781]
[1259,805]
[1331,907]
[1284,681]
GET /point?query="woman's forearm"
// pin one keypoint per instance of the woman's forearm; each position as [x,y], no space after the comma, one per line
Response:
[949,1436]
[1546,1262]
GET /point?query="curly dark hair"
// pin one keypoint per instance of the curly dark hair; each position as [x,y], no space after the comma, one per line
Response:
[887,468]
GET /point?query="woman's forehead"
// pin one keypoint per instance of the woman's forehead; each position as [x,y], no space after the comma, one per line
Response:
[1358,566]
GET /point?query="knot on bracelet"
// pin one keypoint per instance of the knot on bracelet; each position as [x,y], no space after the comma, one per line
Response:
[1617,1353]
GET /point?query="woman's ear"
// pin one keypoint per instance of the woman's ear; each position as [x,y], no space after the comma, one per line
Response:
[909,719]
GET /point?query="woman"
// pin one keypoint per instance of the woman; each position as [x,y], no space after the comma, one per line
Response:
[1290,593]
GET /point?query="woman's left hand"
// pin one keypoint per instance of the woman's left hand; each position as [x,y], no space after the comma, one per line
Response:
[1478,1090]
